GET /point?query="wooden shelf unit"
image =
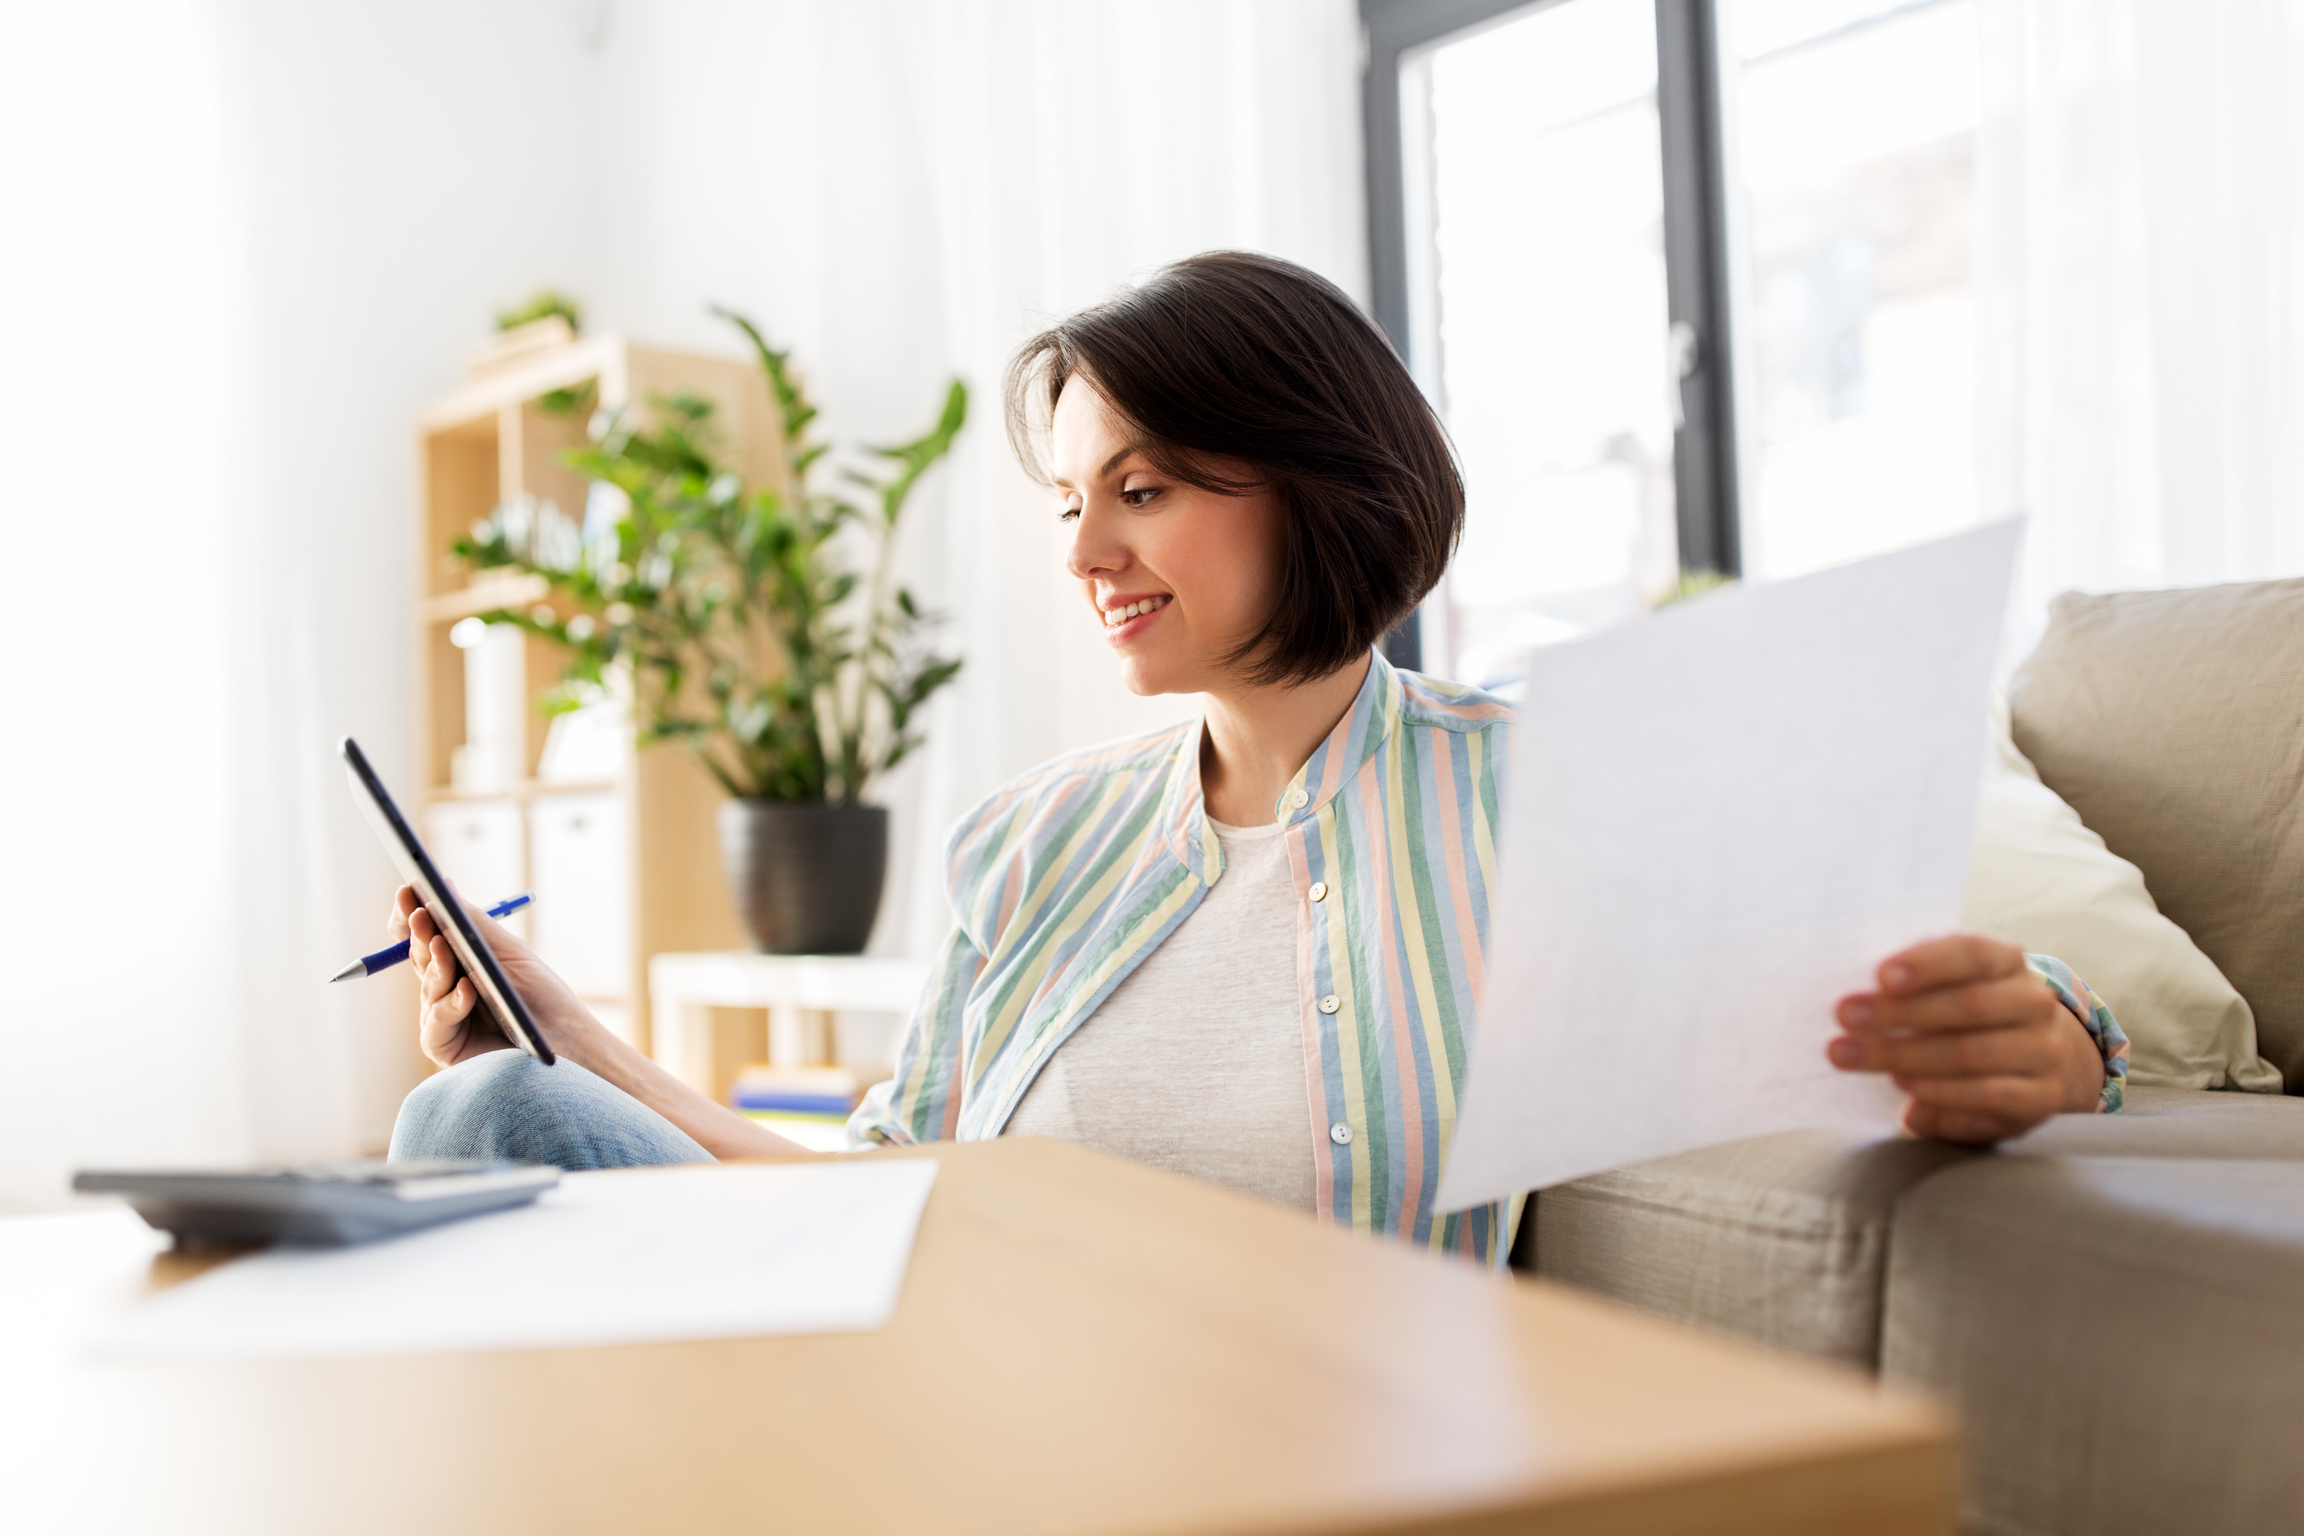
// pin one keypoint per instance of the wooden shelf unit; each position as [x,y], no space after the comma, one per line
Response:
[623,867]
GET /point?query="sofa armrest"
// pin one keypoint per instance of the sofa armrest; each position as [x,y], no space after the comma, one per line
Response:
[1781,1240]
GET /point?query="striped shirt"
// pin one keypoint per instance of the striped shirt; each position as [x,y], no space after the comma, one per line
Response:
[1066,878]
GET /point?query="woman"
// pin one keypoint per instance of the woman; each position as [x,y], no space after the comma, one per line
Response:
[1246,948]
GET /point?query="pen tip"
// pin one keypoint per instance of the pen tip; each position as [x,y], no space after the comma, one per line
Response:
[356,968]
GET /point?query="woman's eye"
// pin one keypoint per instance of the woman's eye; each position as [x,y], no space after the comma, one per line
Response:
[1140,495]
[1068,515]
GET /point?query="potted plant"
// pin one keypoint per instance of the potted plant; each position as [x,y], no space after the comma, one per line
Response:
[761,627]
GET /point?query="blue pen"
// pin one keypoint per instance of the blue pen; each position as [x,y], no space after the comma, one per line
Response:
[385,959]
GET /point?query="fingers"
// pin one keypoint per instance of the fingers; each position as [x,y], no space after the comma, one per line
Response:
[1976,1110]
[445,1026]
[1965,1028]
[2014,1099]
[453,1008]
[1966,1127]
[421,933]
[2004,1052]
[1963,957]
[441,973]
[2012,1000]
[449,1022]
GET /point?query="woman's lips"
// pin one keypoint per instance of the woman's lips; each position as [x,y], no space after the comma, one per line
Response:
[1123,631]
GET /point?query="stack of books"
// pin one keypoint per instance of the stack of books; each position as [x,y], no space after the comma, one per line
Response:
[809,1105]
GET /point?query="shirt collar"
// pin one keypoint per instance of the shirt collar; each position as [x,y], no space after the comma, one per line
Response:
[1184,813]
[1360,735]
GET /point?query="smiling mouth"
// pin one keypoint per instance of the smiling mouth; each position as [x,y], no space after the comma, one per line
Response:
[1115,617]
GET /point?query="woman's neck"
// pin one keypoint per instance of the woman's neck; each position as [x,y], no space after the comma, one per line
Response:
[1258,737]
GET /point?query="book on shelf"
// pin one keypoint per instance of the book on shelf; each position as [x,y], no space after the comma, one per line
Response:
[808,1105]
[824,1094]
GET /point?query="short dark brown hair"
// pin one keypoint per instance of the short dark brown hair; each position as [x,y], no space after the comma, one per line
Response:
[1235,356]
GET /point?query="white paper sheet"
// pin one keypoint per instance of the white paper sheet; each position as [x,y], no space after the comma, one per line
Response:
[626,1257]
[1718,822]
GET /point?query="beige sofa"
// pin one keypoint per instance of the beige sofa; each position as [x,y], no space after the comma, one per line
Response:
[2113,1305]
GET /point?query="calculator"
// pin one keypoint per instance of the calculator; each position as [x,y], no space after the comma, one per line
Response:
[319,1204]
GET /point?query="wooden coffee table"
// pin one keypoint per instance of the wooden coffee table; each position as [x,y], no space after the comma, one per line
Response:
[1083,1346]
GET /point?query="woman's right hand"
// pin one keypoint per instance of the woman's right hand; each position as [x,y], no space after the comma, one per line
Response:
[451,1024]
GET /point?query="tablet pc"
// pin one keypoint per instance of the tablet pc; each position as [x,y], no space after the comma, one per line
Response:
[455,924]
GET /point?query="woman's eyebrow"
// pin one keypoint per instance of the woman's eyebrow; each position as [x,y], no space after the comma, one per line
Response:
[1102,469]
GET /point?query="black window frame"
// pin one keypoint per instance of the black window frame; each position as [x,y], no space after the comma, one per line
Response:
[1696,250]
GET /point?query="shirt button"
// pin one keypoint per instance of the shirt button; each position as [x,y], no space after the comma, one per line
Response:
[1340,1133]
[1330,1003]
[1297,799]
[1319,890]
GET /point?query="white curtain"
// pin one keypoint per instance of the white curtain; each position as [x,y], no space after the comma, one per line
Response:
[115,791]
[2140,283]
[249,240]
[252,238]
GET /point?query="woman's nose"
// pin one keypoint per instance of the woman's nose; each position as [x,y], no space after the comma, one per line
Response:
[1095,552]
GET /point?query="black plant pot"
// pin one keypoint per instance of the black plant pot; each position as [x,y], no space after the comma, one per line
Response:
[806,874]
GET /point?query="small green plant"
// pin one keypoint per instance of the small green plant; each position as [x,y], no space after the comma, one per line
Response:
[762,627]
[542,305]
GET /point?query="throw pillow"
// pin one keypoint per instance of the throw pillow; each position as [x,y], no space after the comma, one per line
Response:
[2173,722]
[2040,878]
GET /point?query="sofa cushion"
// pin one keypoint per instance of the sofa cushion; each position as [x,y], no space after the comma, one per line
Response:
[2040,878]
[2173,722]
[2119,1337]
[2169,1122]
[1780,1239]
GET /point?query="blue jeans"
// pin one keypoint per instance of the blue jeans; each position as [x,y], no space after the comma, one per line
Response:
[505,1104]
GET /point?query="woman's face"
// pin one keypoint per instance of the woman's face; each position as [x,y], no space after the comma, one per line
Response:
[1178,576]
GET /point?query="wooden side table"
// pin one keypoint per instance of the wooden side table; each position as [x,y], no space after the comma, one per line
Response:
[800,993]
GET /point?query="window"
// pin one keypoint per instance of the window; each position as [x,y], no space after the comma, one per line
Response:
[1541,327]
[1564,196]
[1547,228]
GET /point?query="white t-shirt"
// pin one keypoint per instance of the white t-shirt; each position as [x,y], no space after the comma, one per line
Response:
[1195,1063]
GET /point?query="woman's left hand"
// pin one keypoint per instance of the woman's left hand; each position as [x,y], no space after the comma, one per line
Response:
[1967,1028]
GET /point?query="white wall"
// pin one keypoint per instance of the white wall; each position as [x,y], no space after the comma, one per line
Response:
[263,233]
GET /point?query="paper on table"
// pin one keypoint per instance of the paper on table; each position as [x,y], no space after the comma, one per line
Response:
[625,1257]
[1718,822]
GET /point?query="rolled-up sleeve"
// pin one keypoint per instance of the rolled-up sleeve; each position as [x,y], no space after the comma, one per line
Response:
[922,1101]
[2096,1018]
